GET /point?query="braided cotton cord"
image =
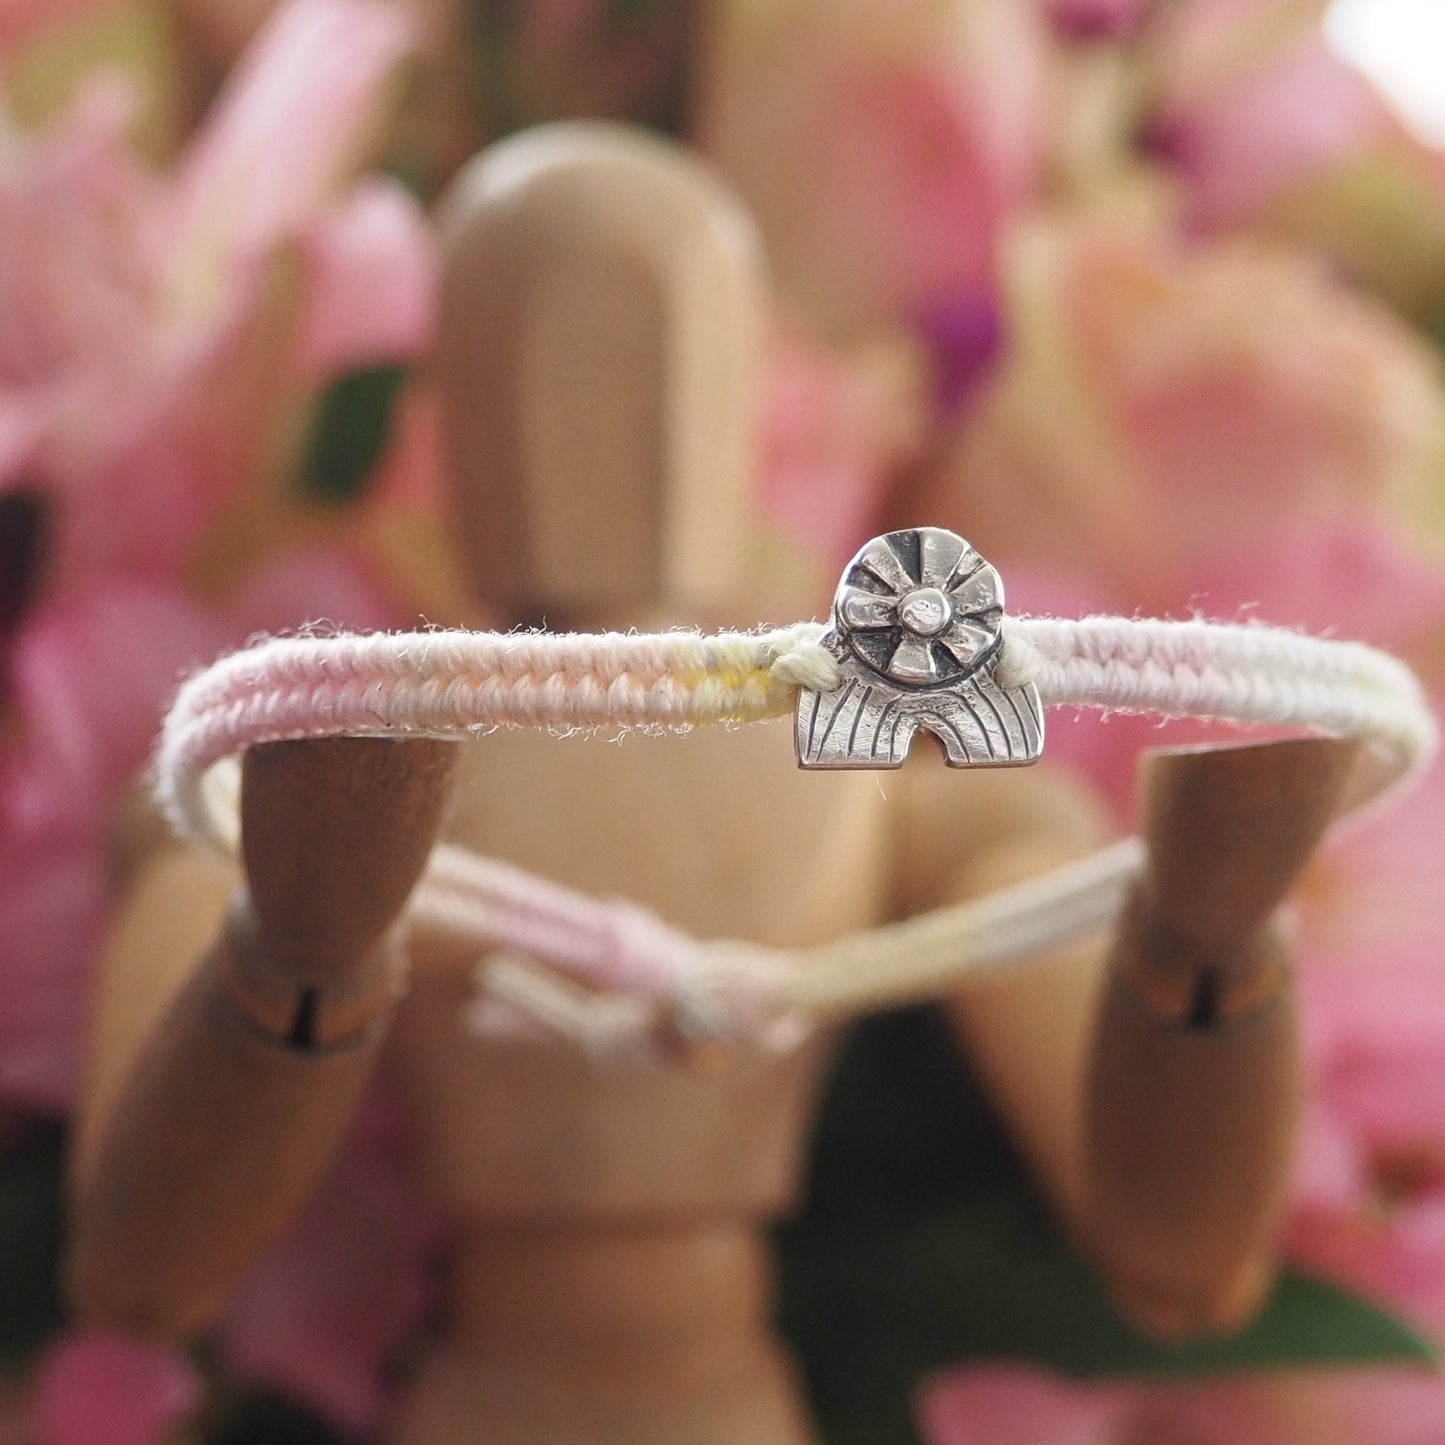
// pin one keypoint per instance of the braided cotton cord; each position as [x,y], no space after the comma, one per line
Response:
[451,684]
[611,943]
[1245,673]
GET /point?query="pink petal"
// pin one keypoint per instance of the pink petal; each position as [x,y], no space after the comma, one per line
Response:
[1017,1404]
[1253,109]
[881,147]
[836,428]
[22,20]
[1373,899]
[1330,1171]
[1011,1405]
[288,130]
[326,1309]
[312,587]
[1096,19]
[1397,1259]
[1336,1407]
[371,269]
[94,1388]
[1383,1407]
[76,249]
[53,902]
[1341,575]
[92,677]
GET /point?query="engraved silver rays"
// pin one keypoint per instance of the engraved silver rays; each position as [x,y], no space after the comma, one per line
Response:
[916,633]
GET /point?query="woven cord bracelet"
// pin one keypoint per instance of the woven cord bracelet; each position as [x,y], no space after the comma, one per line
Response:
[917,641]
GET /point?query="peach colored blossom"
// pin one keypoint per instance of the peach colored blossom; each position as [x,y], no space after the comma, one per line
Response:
[1161,402]
[1270,129]
[881,147]
[1249,102]
[21,20]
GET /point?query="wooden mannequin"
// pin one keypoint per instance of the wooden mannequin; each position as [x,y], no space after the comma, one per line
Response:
[610,1281]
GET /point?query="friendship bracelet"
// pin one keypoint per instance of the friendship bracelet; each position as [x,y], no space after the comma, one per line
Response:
[918,641]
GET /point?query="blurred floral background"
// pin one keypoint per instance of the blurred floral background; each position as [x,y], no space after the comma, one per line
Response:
[1146,299]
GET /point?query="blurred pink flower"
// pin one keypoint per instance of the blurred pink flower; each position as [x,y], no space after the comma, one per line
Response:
[376,246]
[1369,1206]
[325,1311]
[91,675]
[52,907]
[294,122]
[1270,129]
[162,333]
[837,427]
[85,683]
[22,20]
[882,146]
[1023,1405]
[1096,19]
[95,1388]
[1250,101]
[145,365]
[1160,403]
[91,672]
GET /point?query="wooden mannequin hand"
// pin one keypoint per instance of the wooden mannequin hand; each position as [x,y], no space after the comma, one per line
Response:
[200,1144]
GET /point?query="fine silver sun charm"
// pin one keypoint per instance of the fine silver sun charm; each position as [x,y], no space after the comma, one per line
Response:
[915,631]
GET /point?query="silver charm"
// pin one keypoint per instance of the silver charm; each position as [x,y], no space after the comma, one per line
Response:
[916,633]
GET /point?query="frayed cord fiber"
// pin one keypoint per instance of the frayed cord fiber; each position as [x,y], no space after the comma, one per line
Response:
[1244,673]
[450,684]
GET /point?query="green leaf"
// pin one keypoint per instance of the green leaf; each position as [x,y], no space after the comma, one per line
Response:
[31,1234]
[349,432]
[872,1310]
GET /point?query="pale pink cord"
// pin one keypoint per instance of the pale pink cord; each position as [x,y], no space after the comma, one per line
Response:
[609,943]
[452,684]
[743,992]
[1248,673]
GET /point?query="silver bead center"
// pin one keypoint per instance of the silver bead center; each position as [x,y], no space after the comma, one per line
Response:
[925,612]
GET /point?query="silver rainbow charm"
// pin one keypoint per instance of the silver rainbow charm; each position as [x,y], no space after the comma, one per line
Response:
[915,630]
